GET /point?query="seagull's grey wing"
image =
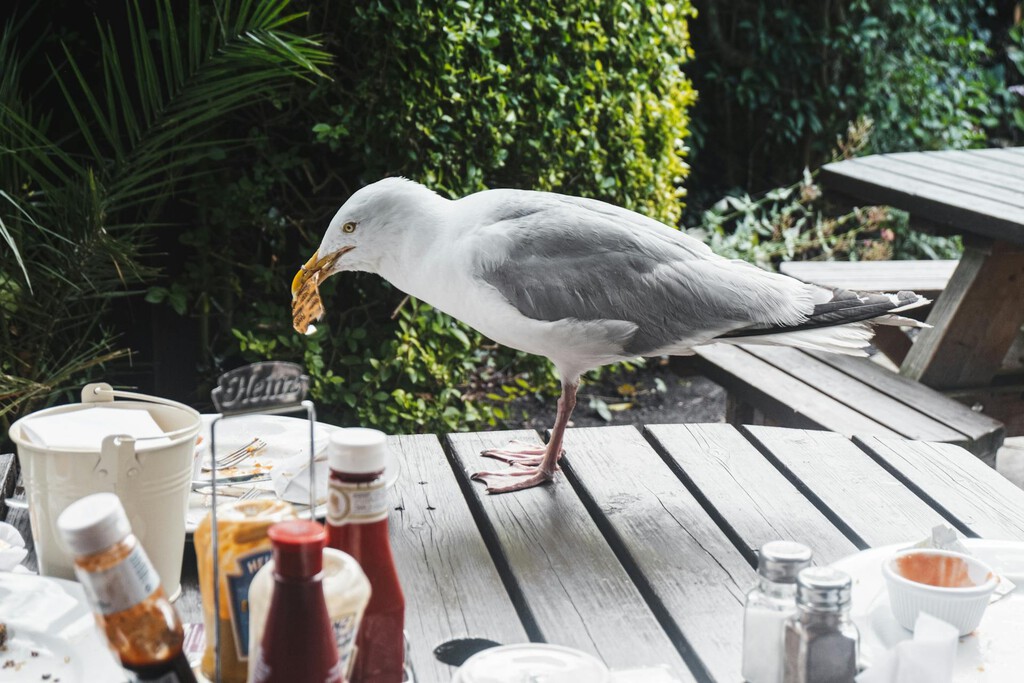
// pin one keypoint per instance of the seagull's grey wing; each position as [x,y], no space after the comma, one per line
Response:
[585,260]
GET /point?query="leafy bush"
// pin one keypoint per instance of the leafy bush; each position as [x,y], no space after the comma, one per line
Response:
[587,98]
[780,81]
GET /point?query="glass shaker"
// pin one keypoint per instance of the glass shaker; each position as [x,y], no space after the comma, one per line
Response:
[821,639]
[768,605]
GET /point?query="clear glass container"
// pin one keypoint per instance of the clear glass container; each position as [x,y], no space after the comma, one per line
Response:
[767,607]
[821,639]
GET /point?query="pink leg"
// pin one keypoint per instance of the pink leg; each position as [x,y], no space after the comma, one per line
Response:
[528,474]
[518,453]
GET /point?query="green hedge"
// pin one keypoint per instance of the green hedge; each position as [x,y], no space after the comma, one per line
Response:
[781,81]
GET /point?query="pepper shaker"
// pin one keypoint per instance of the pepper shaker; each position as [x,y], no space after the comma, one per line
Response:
[821,640]
[768,605]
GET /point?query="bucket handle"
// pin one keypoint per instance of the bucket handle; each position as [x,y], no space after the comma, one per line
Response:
[101,392]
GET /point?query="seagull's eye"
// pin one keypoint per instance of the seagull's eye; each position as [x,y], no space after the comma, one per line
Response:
[348,227]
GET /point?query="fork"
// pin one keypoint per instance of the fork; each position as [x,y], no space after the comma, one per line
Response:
[251,494]
[233,458]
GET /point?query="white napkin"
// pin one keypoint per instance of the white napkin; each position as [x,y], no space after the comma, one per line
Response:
[928,657]
[12,549]
[87,428]
[291,478]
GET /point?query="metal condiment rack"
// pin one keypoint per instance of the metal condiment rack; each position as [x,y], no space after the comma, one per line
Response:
[266,388]
[232,398]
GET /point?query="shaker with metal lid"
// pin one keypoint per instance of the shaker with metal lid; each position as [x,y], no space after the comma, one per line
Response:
[768,605]
[821,639]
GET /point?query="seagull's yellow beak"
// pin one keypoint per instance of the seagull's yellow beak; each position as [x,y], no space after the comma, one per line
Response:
[315,264]
[305,272]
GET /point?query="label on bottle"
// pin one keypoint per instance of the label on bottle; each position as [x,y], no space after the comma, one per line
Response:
[363,503]
[124,585]
[238,596]
[345,636]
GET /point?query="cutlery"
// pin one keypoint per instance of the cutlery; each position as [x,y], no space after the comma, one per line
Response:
[229,481]
[233,458]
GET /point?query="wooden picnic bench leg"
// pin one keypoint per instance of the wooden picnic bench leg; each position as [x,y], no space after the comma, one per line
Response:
[975,319]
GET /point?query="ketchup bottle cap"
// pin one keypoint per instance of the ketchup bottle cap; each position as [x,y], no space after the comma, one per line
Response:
[357,450]
[298,548]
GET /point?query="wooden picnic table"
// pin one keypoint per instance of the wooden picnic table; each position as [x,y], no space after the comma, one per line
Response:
[643,548]
[975,193]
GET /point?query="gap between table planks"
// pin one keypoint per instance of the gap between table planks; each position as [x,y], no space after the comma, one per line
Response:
[563,570]
[452,588]
[982,501]
[749,497]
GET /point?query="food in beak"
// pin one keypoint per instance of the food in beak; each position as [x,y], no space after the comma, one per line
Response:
[307,305]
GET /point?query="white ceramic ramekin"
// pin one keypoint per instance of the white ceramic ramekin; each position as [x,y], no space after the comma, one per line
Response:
[962,607]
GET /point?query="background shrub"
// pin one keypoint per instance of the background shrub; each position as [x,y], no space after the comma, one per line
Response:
[780,81]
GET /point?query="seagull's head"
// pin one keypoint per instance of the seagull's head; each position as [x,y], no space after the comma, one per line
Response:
[367,228]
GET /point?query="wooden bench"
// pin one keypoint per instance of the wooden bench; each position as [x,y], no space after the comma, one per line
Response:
[927,278]
[813,390]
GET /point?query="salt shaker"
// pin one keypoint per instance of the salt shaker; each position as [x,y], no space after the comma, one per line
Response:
[768,605]
[821,639]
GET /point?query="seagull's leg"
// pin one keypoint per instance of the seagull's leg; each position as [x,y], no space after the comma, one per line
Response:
[532,474]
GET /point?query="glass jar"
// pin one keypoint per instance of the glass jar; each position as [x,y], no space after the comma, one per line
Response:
[822,641]
[124,590]
[768,605]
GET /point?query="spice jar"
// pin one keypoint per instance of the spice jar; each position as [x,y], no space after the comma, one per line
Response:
[124,590]
[768,605]
[244,548]
[346,591]
[821,639]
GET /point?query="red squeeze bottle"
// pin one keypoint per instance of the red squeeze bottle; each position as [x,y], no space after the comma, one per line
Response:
[298,642]
[357,523]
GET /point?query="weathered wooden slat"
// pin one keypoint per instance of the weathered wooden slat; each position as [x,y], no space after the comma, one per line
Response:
[1007,156]
[938,205]
[892,177]
[8,478]
[981,159]
[985,433]
[975,320]
[754,500]
[964,165]
[779,395]
[850,487]
[666,534]
[568,578]
[956,482]
[451,585]
[961,183]
[923,277]
[877,406]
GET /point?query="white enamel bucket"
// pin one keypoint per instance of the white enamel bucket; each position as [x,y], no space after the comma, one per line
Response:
[153,482]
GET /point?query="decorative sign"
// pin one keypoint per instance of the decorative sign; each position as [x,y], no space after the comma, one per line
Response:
[270,384]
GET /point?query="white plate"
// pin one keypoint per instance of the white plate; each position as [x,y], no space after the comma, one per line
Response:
[51,618]
[286,437]
[993,652]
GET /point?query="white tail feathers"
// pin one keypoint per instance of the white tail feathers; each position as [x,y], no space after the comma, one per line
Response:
[850,339]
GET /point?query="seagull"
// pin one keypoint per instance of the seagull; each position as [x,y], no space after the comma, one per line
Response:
[579,281]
